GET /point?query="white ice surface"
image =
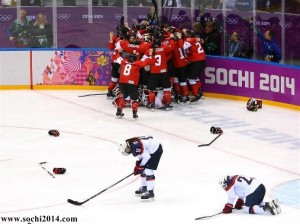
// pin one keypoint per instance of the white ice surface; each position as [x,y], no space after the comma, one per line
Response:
[263,144]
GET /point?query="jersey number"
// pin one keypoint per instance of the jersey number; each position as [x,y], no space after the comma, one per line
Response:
[127,69]
[158,60]
[241,179]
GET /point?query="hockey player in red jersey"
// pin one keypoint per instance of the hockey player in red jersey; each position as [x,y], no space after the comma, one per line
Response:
[148,151]
[196,58]
[180,63]
[129,80]
[159,76]
[249,193]
[122,33]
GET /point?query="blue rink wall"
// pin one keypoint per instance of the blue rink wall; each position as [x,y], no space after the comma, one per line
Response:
[89,69]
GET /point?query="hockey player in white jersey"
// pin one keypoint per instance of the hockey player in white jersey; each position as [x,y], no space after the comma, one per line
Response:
[148,151]
[249,193]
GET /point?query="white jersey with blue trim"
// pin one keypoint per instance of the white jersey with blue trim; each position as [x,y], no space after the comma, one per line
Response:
[241,187]
[142,147]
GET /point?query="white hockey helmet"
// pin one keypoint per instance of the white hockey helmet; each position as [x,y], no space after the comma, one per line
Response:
[223,182]
[124,148]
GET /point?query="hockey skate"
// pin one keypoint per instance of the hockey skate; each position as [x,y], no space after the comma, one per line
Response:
[198,98]
[277,206]
[270,206]
[177,98]
[148,196]
[184,99]
[110,94]
[134,114]
[168,107]
[151,107]
[141,191]
[119,113]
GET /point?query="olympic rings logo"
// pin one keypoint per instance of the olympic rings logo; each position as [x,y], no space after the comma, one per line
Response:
[118,16]
[232,21]
[5,18]
[178,18]
[286,24]
[63,16]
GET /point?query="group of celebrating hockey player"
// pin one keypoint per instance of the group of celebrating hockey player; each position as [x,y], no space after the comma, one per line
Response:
[151,61]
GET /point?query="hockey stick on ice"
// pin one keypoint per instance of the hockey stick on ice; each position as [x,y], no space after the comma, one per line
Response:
[41,164]
[208,144]
[208,216]
[93,94]
[81,203]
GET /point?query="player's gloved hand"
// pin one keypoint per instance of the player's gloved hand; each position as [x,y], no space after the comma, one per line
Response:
[138,170]
[228,208]
[138,162]
[239,204]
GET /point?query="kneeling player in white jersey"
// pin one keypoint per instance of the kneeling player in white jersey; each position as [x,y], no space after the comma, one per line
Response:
[148,152]
[250,193]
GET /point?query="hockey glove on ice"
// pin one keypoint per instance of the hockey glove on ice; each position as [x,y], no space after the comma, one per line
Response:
[228,208]
[239,204]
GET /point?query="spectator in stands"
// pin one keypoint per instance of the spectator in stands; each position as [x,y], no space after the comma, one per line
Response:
[271,50]
[208,4]
[41,32]
[292,6]
[212,39]
[19,30]
[235,47]
[153,17]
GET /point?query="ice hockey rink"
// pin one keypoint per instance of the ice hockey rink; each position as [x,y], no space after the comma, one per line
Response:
[263,144]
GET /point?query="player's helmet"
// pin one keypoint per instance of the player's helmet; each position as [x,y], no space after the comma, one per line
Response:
[122,31]
[132,57]
[191,33]
[223,181]
[147,37]
[156,43]
[124,148]
[252,104]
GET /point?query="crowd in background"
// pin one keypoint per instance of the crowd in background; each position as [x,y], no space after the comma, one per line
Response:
[291,6]
[26,33]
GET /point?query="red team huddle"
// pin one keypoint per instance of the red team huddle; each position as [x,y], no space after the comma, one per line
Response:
[154,58]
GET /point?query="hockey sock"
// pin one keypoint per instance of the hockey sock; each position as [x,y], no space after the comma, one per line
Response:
[120,102]
[134,105]
[195,89]
[143,180]
[177,88]
[167,96]
[184,90]
[111,85]
[151,97]
[150,182]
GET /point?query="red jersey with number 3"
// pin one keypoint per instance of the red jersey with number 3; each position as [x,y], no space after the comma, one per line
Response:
[160,55]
